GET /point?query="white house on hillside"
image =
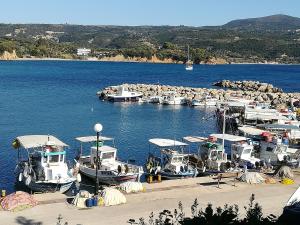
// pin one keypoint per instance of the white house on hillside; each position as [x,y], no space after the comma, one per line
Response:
[83,51]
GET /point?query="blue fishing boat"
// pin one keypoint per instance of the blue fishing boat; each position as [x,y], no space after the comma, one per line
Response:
[173,163]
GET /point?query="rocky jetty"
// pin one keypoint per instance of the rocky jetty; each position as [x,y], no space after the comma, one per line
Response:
[278,98]
[248,85]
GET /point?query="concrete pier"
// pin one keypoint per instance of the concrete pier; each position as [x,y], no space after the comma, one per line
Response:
[158,196]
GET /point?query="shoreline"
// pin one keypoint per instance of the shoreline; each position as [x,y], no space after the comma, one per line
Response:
[147,62]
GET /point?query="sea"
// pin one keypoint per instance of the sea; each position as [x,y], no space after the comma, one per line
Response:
[59,98]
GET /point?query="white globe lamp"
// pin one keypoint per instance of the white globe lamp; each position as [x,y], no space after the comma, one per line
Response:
[98,127]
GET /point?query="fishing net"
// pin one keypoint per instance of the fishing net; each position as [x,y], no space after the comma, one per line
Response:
[270,180]
[287,181]
[113,196]
[80,199]
[131,187]
[285,172]
[18,201]
[252,178]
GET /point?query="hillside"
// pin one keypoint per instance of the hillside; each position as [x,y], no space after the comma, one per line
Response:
[274,22]
[274,38]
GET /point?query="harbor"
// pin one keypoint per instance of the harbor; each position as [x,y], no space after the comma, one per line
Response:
[257,158]
[165,152]
[150,113]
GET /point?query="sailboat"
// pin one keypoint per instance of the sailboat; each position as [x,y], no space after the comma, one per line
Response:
[189,63]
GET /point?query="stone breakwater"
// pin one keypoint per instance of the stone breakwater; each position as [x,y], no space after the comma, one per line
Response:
[276,99]
[248,85]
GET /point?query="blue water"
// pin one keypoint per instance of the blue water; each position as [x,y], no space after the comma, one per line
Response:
[59,98]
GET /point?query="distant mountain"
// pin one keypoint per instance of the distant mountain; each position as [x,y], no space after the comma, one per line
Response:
[274,22]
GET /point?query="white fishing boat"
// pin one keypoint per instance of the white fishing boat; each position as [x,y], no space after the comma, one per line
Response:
[45,168]
[273,148]
[173,163]
[124,95]
[211,156]
[155,99]
[241,149]
[275,151]
[111,171]
[206,101]
[171,98]
[189,63]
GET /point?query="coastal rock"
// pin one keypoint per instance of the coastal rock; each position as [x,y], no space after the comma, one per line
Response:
[9,55]
[248,86]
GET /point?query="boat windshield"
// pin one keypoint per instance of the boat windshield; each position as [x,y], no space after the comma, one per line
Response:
[216,155]
[281,149]
[177,159]
[108,155]
[247,151]
[53,158]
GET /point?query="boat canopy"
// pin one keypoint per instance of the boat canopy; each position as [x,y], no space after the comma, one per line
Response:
[194,139]
[232,104]
[278,127]
[250,130]
[254,116]
[160,142]
[88,139]
[270,111]
[105,148]
[34,141]
[229,137]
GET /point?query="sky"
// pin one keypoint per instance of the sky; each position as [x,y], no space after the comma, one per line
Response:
[142,12]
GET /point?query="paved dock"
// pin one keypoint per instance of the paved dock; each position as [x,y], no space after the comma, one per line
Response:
[158,196]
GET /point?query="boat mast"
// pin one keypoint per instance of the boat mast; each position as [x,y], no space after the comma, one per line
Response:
[188,54]
[224,126]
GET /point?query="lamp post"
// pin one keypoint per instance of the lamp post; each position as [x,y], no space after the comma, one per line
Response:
[97,128]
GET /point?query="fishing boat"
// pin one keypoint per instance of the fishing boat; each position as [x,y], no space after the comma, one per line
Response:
[173,163]
[211,156]
[124,95]
[274,143]
[44,169]
[155,99]
[189,63]
[171,98]
[111,171]
[242,150]
[206,101]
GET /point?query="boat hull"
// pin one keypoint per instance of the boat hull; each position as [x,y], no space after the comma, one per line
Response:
[47,187]
[124,99]
[171,176]
[109,178]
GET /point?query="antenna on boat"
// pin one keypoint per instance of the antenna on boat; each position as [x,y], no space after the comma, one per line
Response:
[224,127]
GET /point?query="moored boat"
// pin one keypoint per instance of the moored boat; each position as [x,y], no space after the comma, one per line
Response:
[111,171]
[124,96]
[189,63]
[172,164]
[171,98]
[45,168]
[206,101]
